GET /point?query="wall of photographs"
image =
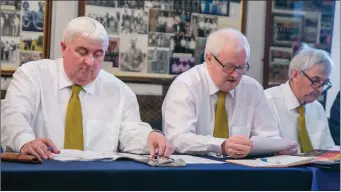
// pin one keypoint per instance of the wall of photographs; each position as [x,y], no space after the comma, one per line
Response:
[289,24]
[24,36]
[159,38]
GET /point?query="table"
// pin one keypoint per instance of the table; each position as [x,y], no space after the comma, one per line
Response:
[129,175]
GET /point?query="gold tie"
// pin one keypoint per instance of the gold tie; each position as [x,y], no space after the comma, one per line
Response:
[306,145]
[221,126]
[73,121]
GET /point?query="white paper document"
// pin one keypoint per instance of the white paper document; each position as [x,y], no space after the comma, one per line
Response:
[195,160]
[264,145]
[78,155]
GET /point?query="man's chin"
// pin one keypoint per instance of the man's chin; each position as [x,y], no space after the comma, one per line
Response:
[310,98]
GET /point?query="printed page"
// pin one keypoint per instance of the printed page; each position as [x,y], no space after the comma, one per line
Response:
[78,155]
[195,160]
[264,145]
[288,159]
[254,163]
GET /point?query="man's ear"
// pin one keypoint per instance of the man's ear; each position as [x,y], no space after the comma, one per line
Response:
[63,45]
[294,75]
[208,58]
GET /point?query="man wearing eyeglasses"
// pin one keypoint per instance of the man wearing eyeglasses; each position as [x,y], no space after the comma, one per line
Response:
[214,107]
[300,116]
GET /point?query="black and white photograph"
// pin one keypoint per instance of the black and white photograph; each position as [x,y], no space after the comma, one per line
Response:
[215,7]
[33,16]
[156,39]
[133,48]
[10,23]
[158,60]
[180,63]
[285,29]
[199,51]
[183,44]
[188,5]
[161,21]
[102,3]
[280,55]
[311,27]
[130,4]
[108,17]
[10,5]
[112,54]
[9,50]
[134,21]
[26,56]
[31,41]
[203,25]
[163,5]
[182,22]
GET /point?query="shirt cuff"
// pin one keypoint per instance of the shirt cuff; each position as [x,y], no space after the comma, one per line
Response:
[214,145]
[21,140]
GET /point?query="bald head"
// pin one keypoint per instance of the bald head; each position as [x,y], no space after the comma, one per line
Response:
[226,38]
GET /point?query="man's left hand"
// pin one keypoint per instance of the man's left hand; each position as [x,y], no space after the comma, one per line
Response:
[157,143]
[290,151]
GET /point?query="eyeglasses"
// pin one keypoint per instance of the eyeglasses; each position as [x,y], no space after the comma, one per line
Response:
[317,84]
[230,68]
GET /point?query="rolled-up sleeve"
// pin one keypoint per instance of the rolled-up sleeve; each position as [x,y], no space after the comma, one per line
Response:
[134,133]
[17,111]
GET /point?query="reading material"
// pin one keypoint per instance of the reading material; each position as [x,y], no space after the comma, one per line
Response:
[275,161]
[265,146]
[78,155]
[324,156]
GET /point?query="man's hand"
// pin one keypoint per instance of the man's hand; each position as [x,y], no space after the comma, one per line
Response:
[292,150]
[237,146]
[157,143]
[40,148]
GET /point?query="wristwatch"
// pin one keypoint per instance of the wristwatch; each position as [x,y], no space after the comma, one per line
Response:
[156,130]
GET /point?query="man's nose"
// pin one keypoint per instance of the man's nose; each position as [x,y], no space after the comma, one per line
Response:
[89,60]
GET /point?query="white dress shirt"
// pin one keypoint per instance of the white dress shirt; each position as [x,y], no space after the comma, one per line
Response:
[36,103]
[189,112]
[283,104]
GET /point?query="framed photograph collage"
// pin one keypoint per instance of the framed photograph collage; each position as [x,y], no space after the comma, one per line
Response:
[159,39]
[25,33]
[290,23]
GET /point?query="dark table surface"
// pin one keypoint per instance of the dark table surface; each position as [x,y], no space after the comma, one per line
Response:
[129,175]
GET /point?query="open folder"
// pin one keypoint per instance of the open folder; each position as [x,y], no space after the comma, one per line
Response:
[275,161]
[78,155]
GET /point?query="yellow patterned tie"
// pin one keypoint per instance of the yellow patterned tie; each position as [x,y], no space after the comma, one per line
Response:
[73,122]
[306,145]
[221,126]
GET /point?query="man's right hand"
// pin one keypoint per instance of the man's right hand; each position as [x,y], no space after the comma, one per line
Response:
[40,148]
[237,146]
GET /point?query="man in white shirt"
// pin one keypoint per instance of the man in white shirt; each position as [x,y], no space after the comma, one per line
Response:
[70,103]
[213,107]
[300,116]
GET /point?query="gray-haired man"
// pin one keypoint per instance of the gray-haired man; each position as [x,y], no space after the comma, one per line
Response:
[300,117]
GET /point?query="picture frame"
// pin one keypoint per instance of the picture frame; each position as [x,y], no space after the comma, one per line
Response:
[285,28]
[29,38]
[165,32]
[313,21]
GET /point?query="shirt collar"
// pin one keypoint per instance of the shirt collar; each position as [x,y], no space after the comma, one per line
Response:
[289,97]
[212,86]
[64,81]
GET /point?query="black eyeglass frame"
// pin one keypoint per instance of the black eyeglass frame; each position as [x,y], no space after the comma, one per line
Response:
[229,67]
[317,84]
